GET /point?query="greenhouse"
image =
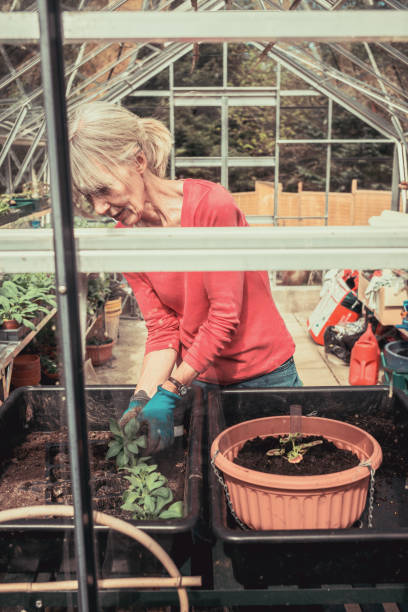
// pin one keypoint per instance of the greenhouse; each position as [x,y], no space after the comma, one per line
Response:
[204,305]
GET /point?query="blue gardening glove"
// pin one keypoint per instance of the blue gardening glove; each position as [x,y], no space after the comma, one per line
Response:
[157,415]
[136,404]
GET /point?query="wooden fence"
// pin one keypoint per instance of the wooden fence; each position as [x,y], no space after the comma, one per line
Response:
[353,208]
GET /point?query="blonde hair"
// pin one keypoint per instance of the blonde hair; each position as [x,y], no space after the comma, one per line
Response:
[104,135]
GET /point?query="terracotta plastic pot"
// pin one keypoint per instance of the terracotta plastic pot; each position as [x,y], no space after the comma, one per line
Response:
[99,353]
[10,324]
[51,375]
[26,370]
[272,501]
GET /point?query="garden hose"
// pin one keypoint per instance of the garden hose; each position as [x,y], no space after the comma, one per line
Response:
[175,580]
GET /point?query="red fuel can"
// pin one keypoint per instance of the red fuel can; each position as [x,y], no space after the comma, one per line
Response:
[365,359]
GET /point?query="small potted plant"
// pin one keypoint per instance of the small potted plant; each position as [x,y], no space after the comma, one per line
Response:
[99,347]
[22,300]
[17,307]
[50,368]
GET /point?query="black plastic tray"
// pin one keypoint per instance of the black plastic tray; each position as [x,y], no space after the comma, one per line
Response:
[354,556]
[47,545]
[10,216]
[12,335]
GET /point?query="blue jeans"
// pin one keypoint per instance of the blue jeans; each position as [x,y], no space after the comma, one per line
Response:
[284,376]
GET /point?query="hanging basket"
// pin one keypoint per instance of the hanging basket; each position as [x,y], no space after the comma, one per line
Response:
[271,501]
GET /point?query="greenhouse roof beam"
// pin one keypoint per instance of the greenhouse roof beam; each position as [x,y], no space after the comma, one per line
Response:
[394,52]
[12,134]
[373,71]
[214,26]
[394,118]
[29,155]
[36,60]
[395,4]
[366,90]
[347,102]
[157,64]
[12,71]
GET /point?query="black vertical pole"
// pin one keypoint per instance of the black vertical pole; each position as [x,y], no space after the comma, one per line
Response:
[52,65]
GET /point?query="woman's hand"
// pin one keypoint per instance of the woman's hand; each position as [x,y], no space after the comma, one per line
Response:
[136,404]
[157,415]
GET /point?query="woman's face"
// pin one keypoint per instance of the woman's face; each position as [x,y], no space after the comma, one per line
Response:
[123,198]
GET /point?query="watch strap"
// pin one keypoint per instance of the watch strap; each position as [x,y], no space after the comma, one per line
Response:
[181,388]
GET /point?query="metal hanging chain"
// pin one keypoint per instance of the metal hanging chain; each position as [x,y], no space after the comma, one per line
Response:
[227,495]
[371,492]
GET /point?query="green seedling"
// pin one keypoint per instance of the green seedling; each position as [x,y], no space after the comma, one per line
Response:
[294,454]
[148,496]
[126,444]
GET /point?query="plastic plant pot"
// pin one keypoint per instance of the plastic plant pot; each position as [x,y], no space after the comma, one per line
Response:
[10,324]
[26,370]
[396,356]
[99,353]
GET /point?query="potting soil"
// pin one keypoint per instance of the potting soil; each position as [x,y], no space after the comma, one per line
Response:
[39,472]
[324,458]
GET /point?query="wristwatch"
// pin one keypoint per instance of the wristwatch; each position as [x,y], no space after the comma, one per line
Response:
[181,389]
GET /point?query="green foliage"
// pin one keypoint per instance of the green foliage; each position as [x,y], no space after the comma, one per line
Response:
[39,282]
[23,297]
[4,202]
[98,338]
[30,190]
[147,496]
[34,189]
[126,444]
[102,287]
[49,364]
[98,291]
[46,338]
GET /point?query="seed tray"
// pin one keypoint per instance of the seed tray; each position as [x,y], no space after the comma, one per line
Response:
[42,409]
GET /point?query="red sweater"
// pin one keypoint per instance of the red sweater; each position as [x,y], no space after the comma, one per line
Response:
[225,325]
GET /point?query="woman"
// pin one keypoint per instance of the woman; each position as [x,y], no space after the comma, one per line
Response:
[219,328]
